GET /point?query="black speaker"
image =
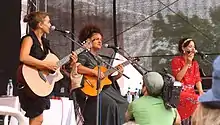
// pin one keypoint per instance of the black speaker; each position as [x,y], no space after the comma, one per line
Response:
[62,87]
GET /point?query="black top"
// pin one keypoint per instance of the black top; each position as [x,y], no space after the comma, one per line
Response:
[88,60]
[33,106]
[113,105]
[36,50]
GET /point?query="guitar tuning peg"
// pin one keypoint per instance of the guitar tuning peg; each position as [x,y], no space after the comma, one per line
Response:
[137,59]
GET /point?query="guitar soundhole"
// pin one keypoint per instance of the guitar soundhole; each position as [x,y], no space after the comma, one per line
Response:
[42,76]
[51,71]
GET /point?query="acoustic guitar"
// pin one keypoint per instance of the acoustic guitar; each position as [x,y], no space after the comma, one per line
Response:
[90,82]
[40,82]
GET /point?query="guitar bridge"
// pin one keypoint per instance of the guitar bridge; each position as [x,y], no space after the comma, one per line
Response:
[89,83]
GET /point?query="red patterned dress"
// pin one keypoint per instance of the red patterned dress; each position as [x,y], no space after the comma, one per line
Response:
[188,97]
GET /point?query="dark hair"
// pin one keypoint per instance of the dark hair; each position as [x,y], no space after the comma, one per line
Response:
[34,18]
[88,31]
[184,43]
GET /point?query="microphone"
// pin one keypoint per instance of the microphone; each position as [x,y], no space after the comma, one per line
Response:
[62,31]
[201,54]
[110,46]
[197,52]
[191,51]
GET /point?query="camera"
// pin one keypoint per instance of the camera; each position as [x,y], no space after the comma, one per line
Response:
[171,91]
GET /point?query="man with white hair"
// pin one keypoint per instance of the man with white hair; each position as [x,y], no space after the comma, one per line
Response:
[149,109]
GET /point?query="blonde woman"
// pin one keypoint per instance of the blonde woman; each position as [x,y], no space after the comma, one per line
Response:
[34,48]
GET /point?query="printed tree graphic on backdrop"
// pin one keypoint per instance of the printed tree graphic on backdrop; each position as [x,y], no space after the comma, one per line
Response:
[170,29]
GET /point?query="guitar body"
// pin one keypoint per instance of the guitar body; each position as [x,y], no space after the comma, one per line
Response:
[41,83]
[90,83]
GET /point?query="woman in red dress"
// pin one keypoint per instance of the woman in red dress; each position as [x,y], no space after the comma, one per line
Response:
[186,70]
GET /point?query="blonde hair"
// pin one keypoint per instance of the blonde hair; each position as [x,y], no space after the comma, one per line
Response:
[205,116]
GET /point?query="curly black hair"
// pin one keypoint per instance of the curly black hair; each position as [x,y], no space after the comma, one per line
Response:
[88,31]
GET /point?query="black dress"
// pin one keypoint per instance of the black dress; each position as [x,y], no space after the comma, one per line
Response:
[33,105]
[113,105]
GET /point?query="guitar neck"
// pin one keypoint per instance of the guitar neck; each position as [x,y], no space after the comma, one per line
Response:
[67,58]
[63,60]
[112,70]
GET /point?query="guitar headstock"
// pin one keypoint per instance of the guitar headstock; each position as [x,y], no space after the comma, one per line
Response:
[134,59]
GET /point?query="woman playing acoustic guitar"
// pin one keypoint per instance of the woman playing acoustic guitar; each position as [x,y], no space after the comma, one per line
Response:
[34,49]
[113,105]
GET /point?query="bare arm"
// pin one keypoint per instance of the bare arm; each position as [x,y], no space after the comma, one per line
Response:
[85,70]
[73,61]
[176,65]
[26,58]
[178,119]
[121,70]
[118,76]
[198,79]
[199,87]
[128,116]
[182,72]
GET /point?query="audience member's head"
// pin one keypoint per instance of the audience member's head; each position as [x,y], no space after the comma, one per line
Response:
[207,113]
[152,84]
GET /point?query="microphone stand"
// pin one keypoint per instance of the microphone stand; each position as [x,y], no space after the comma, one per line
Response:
[98,101]
[135,64]
[113,55]
[98,82]
[204,57]
[98,60]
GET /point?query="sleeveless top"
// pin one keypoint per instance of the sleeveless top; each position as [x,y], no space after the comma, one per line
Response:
[34,106]
[36,50]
